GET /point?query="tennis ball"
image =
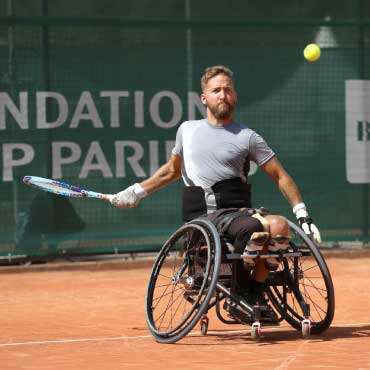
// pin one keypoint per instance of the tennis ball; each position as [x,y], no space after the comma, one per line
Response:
[312,52]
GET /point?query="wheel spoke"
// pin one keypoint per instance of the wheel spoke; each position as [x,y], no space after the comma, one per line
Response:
[169,306]
[311,282]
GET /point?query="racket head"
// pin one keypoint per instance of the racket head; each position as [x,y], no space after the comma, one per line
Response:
[54,186]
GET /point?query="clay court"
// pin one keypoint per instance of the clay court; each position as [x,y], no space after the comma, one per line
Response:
[90,315]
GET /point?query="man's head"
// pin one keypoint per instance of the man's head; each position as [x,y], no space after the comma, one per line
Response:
[218,94]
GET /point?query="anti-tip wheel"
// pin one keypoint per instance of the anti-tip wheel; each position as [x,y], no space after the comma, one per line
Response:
[256,331]
[306,328]
[204,321]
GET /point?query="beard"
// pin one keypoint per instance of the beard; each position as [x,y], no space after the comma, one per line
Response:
[222,110]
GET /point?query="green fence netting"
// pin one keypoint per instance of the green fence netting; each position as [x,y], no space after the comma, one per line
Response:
[97,101]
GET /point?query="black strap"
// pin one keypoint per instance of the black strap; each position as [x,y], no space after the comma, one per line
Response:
[229,193]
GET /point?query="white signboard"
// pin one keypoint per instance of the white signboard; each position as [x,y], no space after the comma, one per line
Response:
[358,131]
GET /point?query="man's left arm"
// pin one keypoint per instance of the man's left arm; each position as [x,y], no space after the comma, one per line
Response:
[289,189]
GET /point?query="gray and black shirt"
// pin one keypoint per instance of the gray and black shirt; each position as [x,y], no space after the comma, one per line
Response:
[214,153]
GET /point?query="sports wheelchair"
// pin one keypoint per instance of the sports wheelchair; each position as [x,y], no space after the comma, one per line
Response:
[193,273]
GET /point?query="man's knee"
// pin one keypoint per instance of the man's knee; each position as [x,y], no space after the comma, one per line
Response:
[257,227]
[278,225]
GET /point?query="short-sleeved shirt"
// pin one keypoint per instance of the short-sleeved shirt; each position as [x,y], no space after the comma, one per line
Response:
[213,153]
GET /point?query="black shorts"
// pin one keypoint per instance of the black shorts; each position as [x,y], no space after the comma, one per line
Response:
[237,225]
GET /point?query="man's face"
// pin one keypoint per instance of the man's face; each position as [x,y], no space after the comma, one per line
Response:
[220,97]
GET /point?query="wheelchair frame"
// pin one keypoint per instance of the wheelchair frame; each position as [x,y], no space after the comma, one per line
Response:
[188,278]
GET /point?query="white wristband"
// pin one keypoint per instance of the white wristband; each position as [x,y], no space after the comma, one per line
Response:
[300,210]
[140,191]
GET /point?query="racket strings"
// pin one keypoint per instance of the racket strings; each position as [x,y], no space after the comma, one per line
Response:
[60,188]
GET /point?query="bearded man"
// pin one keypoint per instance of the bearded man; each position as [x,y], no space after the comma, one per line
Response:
[212,156]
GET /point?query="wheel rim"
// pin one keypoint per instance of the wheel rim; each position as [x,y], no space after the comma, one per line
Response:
[182,274]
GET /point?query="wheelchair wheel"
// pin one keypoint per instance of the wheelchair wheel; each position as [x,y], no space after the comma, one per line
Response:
[256,331]
[302,288]
[183,280]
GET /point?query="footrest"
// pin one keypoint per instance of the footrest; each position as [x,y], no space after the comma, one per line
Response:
[236,256]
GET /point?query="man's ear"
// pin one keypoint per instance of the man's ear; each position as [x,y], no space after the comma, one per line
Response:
[203,99]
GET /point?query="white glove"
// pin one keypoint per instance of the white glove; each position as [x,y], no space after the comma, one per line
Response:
[305,222]
[130,197]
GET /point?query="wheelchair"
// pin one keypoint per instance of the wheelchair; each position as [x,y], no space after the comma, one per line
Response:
[194,273]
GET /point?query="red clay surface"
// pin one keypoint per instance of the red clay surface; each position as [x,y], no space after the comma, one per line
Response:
[92,317]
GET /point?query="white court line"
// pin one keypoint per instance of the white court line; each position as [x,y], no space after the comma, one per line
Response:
[71,340]
[149,336]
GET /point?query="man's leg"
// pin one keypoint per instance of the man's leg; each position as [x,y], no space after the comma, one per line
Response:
[238,228]
[278,228]
[240,231]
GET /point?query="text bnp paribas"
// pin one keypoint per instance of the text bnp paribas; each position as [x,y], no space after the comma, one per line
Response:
[111,132]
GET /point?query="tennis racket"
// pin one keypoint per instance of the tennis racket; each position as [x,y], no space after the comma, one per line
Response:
[61,188]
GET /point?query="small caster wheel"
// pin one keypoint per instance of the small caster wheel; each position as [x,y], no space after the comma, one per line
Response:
[256,331]
[306,328]
[204,321]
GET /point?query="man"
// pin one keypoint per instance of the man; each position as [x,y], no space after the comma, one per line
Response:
[212,155]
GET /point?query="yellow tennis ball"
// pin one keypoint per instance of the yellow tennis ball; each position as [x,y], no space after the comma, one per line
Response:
[312,52]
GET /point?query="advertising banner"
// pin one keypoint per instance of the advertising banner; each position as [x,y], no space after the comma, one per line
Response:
[358,131]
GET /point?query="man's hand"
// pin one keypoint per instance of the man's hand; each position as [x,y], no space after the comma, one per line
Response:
[305,222]
[309,228]
[129,198]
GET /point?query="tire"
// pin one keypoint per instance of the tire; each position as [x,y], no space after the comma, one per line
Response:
[204,322]
[306,329]
[256,332]
[303,279]
[183,280]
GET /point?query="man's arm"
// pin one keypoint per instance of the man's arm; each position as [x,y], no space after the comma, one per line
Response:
[166,174]
[287,186]
[289,189]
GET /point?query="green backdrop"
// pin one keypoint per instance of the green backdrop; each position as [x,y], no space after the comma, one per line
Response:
[121,76]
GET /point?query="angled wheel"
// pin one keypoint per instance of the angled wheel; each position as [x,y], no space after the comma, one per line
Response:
[306,328]
[183,280]
[256,331]
[204,322]
[302,288]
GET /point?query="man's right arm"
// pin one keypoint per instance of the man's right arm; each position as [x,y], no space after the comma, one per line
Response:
[166,174]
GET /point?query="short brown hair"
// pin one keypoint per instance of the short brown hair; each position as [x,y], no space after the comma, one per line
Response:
[211,72]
